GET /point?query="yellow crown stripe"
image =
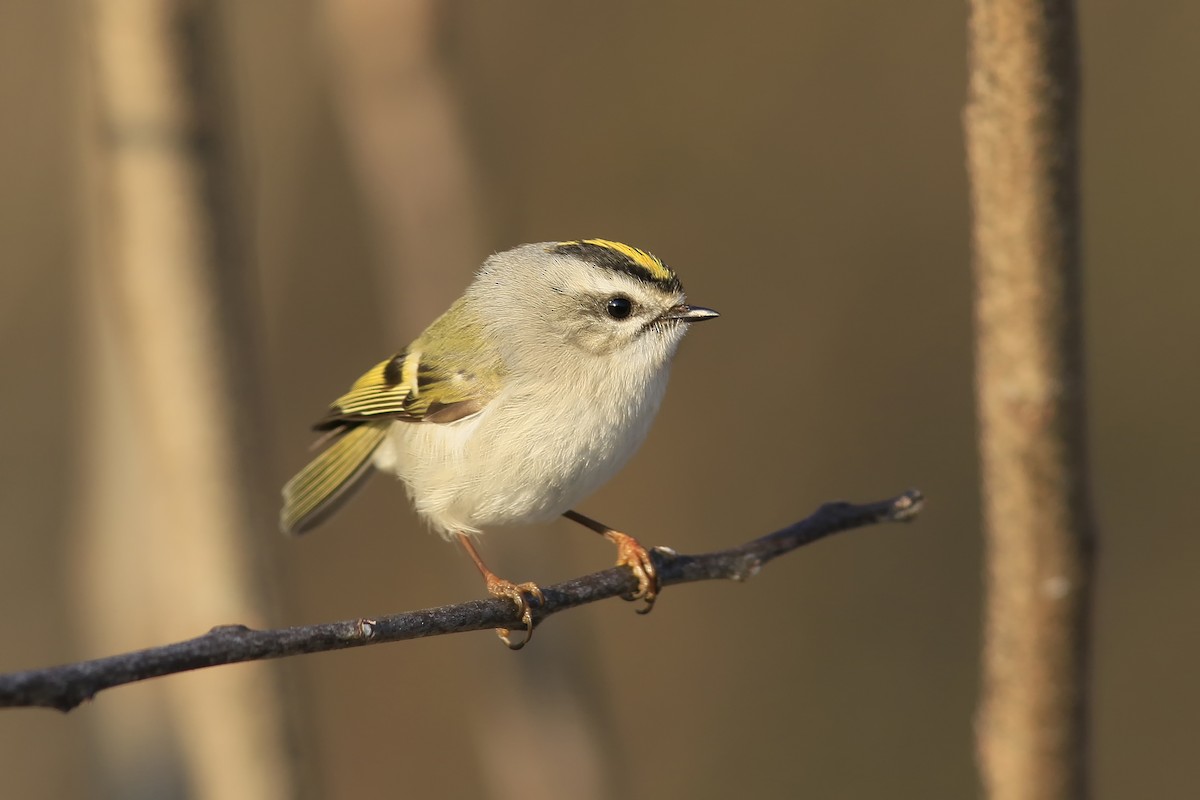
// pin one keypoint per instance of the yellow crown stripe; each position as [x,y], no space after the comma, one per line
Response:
[657,269]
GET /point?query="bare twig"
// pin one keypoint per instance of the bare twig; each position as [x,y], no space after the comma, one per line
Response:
[1022,126]
[66,686]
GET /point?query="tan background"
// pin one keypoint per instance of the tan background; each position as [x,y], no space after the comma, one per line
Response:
[801,167]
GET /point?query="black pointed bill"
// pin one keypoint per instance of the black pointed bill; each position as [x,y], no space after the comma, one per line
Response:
[686,313]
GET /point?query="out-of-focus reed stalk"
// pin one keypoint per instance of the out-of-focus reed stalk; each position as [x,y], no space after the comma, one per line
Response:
[1022,127]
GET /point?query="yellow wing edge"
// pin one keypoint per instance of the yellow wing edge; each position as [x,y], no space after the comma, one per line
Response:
[330,479]
[382,390]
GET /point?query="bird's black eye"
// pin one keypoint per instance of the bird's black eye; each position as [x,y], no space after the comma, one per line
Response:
[619,306]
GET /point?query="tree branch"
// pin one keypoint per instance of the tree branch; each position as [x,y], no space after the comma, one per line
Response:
[64,687]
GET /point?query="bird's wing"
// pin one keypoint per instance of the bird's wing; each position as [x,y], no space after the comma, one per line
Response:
[331,477]
[411,387]
[406,387]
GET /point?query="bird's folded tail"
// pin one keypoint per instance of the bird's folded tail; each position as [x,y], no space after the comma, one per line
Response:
[331,478]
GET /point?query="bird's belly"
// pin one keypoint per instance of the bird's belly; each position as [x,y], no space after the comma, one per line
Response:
[508,466]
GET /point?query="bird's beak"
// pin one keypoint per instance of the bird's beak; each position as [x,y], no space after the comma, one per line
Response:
[685,313]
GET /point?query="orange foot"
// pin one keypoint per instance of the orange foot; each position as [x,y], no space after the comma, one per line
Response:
[631,554]
[521,594]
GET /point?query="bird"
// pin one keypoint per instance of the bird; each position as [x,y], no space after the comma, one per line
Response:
[532,390]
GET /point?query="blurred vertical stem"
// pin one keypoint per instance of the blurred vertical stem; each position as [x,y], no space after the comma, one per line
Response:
[409,147]
[1022,132]
[167,503]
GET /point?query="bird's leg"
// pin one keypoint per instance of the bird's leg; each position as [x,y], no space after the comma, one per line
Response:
[630,554]
[518,593]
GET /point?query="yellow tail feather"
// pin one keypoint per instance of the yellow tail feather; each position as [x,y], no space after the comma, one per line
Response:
[329,479]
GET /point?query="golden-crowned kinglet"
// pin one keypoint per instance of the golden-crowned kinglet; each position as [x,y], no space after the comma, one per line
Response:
[531,391]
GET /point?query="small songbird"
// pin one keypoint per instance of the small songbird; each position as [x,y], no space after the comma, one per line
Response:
[532,390]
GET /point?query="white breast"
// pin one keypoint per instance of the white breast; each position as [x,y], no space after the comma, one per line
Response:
[533,453]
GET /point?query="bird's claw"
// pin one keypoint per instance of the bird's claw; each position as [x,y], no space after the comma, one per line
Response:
[630,553]
[521,594]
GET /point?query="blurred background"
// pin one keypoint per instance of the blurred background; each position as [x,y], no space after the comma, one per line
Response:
[215,215]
